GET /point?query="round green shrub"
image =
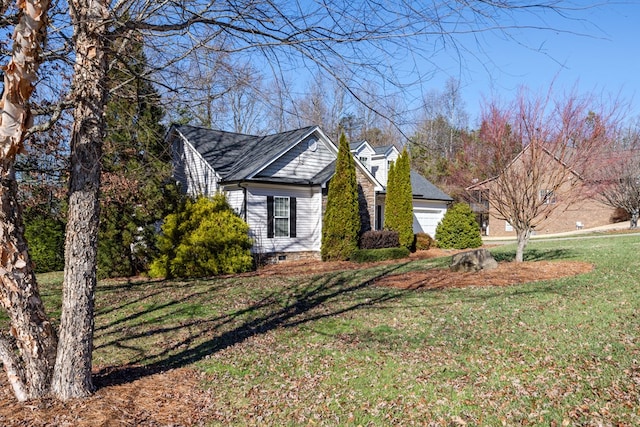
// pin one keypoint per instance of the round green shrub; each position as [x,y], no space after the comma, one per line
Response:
[458,229]
[205,238]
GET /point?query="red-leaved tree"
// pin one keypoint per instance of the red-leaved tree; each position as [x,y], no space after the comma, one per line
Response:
[541,148]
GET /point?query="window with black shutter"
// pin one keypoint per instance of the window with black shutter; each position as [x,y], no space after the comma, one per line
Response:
[281,216]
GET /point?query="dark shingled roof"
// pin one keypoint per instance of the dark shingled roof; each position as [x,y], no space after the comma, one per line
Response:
[236,156]
[382,149]
[424,189]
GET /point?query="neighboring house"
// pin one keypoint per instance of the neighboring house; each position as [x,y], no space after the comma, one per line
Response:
[278,183]
[571,211]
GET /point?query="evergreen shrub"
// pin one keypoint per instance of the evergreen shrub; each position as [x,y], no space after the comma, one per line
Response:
[378,239]
[205,238]
[458,229]
[399,200]
[341,224]
[375,255]
[45,236]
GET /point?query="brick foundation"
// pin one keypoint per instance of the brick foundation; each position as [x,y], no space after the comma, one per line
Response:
[279,257]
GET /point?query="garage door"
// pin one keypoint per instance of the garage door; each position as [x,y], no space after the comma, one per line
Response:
[426,220]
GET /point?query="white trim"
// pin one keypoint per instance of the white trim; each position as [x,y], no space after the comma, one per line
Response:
[207,164]
[288,217]
[285,151]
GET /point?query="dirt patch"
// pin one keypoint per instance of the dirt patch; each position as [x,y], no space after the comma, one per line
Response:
[174,398]
[310,267]
[506,274]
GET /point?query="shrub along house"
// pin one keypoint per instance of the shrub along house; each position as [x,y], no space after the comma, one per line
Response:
[278,183]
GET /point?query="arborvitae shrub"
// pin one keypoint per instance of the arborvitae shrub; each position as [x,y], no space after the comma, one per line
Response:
[423,242]
[378,239]
[458,229]
[342,215]
[375,255]
[399,200]
[205,238]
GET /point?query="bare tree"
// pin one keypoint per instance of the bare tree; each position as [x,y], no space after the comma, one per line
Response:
[440,132]
[616,180]
[323,105]
[541,150]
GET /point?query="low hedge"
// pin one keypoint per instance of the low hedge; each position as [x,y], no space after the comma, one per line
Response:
[379,239]
[374,255]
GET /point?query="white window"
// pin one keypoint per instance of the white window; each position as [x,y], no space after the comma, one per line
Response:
[365,161]
[547,197]
[508,226]
[281,216]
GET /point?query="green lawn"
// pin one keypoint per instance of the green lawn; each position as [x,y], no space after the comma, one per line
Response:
[335,350]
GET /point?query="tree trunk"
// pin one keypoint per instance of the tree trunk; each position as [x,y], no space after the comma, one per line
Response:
[29,355]
[72,374]
[523,239]
[30,372]
[634,219]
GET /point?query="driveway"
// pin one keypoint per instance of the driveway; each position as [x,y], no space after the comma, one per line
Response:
[602,231]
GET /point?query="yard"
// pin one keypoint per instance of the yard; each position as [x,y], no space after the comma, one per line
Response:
[401,343]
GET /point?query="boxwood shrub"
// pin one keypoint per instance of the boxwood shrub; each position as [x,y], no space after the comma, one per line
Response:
[375,255]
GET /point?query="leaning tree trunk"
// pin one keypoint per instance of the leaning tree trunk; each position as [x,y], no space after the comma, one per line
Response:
[72,374]
[29,368]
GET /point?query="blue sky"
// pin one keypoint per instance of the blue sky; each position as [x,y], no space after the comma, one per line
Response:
[597,53]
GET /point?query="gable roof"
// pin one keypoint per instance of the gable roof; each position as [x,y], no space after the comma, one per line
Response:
[423,189]
[482,184]
[384,149]
[237,156]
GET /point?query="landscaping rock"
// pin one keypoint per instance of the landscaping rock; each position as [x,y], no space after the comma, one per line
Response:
[475,260]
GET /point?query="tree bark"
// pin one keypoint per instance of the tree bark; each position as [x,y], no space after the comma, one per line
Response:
[29,368]
[72,374]
[523,239]
[34,335]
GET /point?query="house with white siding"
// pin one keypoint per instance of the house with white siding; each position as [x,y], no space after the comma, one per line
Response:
[429,202]
[278,183]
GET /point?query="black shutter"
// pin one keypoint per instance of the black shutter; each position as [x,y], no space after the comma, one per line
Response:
[270,216]
[292,217]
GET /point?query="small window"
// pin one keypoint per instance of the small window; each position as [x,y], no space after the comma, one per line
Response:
[281,216]
[365,161]
[548,197]
[508,226]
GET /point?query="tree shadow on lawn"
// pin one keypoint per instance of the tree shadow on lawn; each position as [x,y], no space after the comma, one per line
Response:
[535,255]
[326,295]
